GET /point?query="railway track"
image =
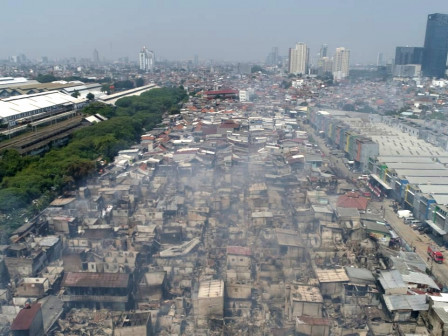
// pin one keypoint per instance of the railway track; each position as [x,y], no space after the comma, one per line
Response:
[29,141]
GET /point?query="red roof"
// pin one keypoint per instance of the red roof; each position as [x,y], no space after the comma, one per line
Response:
[239,250]
[353,199]
[25,317]
[88,279]
[221,92]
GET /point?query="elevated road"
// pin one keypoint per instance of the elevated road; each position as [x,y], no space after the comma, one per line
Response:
[111,99]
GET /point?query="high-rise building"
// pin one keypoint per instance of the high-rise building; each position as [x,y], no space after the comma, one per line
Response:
[324,66]
[436,46]
[341,63]
[380,59]
[323,51]
[272,58]
[146,59]
[408,55]
[298,59]
[96,56]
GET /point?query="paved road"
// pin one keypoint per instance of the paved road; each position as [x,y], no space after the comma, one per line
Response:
[412,237]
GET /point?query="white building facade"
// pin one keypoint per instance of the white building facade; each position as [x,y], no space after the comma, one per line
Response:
[298,59]
[341,63]
[146,59]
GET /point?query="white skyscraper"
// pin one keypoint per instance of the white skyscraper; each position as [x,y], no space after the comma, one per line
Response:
[341,63]
[298,59]
[146,59]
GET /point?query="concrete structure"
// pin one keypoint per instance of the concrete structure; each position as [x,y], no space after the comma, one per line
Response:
[28,322]
[298,59]
[97,290]
[341,63]
[210,300]
[146,59]
[436,47]
[304,300]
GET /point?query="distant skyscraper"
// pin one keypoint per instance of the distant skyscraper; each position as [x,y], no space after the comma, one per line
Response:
[96,57]
[408,55]
[380,59]
[146,59]
[323,51]
[273,58]
[196,60]
[324,66]
[298,59]
[436,46]
[341,63]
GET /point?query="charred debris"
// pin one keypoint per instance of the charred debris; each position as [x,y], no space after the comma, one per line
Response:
[227,220]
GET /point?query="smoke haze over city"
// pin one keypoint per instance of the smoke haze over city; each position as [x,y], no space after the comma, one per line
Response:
[223,31]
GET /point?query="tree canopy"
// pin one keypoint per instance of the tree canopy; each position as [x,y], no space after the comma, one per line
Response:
[25,181]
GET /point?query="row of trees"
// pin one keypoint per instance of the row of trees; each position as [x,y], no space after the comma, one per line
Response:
[31,182]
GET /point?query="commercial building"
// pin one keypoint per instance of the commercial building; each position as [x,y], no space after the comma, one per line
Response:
[146,59]
[436,46]
[408,61]
[37,105]
[341,63]
[298,59]
[408,55]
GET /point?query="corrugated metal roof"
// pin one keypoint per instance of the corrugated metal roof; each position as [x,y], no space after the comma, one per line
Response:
[239,250]
[88,279]
[406,302]
[211,288]
[420,278]
[391,279]
[332,275]
[25,317]
[359,273]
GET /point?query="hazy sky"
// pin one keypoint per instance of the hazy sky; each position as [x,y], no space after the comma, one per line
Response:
[243,30]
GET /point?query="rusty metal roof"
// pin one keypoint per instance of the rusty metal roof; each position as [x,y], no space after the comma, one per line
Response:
[88,279]
[25,317]
[239,250]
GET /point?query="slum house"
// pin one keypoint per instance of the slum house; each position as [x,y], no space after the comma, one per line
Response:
[391,283]
[132,323]
[209,303]
[290,245]
[30,289]
[437,317]
[97,290]
[378,232]
[143,237]
[349,220]
[111,261]
[24,261]
[28,321]
[404,307]
[312,326]
[332,281]
[152,287]
[303,300]
[359,291]
[52,245]
[179,262]
[239,263]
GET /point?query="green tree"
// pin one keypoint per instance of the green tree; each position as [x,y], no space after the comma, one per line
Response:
[76,94]
[47,78]
[90,96]
[139,82]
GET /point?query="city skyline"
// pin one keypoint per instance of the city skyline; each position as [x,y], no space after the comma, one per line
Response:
[178,31]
